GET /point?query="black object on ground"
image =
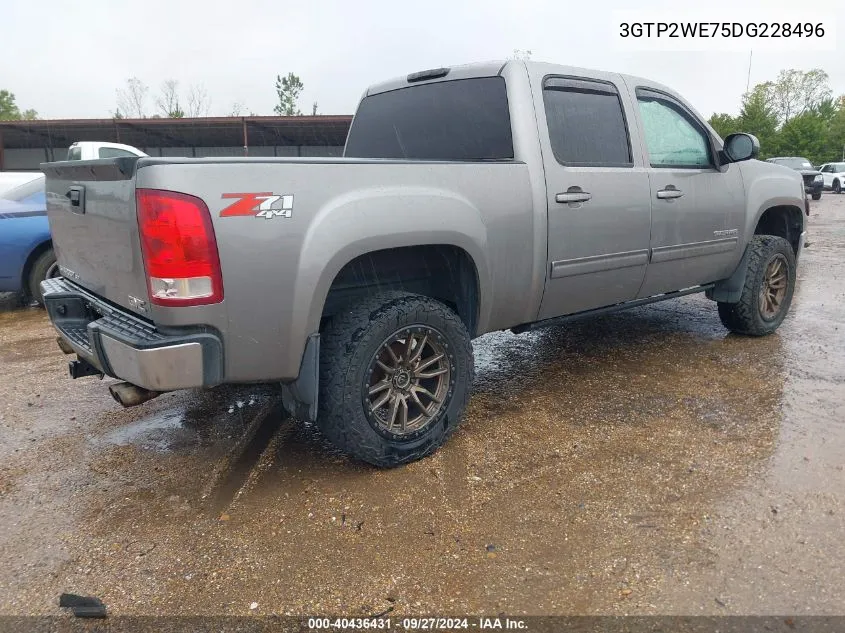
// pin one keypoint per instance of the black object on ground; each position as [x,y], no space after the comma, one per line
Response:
[83,606]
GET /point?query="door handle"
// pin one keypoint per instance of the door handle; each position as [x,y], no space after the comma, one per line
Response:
[574,195]
[669,193]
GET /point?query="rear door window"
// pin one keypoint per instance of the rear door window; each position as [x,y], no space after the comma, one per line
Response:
[586,123]
[461,120]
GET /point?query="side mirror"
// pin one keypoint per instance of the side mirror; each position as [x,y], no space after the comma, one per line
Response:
[741,146]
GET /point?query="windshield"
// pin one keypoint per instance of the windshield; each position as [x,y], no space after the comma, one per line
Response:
[795,163]
[464,119]
[29,193]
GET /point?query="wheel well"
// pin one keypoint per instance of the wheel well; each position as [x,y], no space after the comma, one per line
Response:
[784,221]
[27,267]
[442,272]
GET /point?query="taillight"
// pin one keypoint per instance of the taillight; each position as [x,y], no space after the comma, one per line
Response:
[180,252]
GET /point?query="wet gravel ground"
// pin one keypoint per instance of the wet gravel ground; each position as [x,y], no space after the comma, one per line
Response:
[640,463]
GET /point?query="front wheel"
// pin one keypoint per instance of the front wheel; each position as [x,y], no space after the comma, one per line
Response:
[837,187]
[767,293]
[395,376]
[817,196]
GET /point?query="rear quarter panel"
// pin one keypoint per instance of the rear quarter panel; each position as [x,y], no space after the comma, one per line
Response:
[277,272]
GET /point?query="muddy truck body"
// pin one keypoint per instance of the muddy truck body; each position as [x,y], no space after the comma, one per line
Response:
[469,199]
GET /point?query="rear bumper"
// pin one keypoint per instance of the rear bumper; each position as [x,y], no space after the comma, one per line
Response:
[123,346]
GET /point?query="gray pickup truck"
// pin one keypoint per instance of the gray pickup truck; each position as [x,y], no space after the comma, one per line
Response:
[469,199]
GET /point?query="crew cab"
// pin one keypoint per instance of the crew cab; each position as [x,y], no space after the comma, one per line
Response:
[469,199]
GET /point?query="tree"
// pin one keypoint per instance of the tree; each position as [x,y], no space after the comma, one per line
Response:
[8,107]
[792,116]
[836,132]
[314,109]
[795,92]
[9,110]
[288,89]
[804,135]
[198,101]
[168,100]
[758,117]
[132,99]
[724,124]
[523,54]
[237,108]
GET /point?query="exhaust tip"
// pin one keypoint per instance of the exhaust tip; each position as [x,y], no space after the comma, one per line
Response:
[129,395]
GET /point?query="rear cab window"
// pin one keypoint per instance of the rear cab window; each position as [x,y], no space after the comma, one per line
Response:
[458,120]
[113,152]
[74,153]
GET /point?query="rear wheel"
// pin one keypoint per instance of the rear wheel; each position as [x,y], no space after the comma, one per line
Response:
[44,267]
[767,294]
[395,377]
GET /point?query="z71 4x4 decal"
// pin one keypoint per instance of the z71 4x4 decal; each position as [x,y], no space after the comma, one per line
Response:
[259,205]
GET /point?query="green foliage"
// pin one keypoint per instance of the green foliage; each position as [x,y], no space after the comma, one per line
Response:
[792,116]
[724,124]
[9,110]
[803,135]
[288,89]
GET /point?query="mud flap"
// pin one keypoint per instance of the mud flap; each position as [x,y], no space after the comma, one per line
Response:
[300,396]
[730,290]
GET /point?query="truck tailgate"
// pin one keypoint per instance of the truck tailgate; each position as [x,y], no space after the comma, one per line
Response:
[91,209]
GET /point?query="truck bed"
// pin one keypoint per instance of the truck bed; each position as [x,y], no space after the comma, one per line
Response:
[277,267]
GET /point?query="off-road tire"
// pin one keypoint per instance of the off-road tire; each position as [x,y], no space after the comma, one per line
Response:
[38,273]
[348,343]
[745,317]
[817,196]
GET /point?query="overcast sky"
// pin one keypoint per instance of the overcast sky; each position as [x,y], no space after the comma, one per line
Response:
[66,59]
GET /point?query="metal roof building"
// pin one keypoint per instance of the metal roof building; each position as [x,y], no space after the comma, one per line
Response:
[26,144]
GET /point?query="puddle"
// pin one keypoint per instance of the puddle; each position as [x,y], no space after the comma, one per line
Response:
[153,432]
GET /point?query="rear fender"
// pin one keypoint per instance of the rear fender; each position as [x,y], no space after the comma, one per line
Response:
[376,219]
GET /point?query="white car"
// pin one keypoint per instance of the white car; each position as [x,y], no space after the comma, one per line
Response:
[834,176]
[91,150]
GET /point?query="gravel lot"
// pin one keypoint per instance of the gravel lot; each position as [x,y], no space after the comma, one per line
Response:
[641,463]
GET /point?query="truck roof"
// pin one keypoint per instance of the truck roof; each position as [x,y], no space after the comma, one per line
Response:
[495,67]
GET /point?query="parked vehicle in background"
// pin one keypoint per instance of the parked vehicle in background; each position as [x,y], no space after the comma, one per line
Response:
[834,176]
[813,179]
[12,179]
[469,199]
[91,150]
[26,250]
